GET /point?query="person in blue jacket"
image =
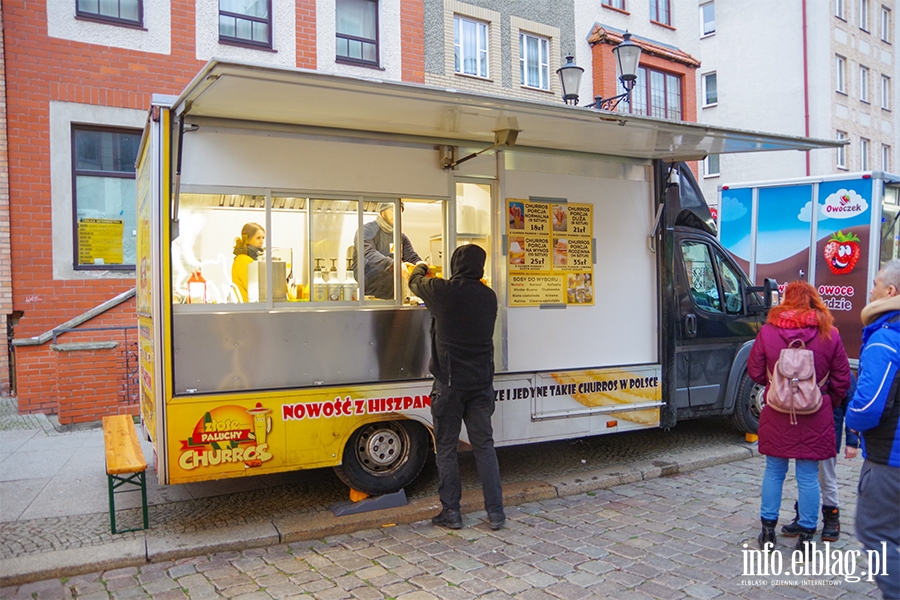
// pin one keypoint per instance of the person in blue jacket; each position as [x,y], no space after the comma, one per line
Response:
[874,411]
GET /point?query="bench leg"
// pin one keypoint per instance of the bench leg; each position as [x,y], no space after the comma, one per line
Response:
[116,481]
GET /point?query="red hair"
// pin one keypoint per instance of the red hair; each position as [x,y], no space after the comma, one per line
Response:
[801,297]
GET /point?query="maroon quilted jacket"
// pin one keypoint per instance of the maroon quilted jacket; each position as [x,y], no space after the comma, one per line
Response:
[813,436]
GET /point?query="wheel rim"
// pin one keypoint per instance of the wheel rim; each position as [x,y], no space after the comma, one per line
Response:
[382,447]
[756,400]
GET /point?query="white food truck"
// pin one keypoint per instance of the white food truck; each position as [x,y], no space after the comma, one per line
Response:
[619,309]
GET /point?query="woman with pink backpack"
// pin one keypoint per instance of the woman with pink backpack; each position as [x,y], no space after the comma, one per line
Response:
[799,427]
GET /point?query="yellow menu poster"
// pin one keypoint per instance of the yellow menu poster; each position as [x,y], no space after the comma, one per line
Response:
[100,242]
[550,254]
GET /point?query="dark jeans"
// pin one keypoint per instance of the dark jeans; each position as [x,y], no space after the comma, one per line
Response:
[878,520]
[449,409]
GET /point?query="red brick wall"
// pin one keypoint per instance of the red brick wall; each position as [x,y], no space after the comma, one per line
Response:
[6,304]
[412,32]
[306,34]
[83,385]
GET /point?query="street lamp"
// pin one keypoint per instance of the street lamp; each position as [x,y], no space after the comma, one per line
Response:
[628,56]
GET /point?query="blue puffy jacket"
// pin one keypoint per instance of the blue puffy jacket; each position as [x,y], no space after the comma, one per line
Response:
[874,410]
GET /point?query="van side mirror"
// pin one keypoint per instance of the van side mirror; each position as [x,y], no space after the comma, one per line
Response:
[770,296]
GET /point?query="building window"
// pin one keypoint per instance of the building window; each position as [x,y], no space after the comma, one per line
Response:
[841,155]
[885,158]
[246,22]
[840,74]
[711,166]
[885,24]
[620,4]
[839,9]
[534,61]
[864,15]
[470,47]
[708,18]
[885,92]
[105,197]
[125,12]
[864,84]
[356,30]
[863,154]
[710,90]
[659,12]
[656,94]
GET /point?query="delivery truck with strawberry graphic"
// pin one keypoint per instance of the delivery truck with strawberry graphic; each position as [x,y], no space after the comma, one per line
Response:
[833,231]
[619,310]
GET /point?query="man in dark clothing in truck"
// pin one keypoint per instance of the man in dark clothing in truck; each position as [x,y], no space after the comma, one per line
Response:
[463,312]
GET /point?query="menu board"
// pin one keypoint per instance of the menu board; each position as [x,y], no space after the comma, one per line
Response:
[100,242]
[550,257]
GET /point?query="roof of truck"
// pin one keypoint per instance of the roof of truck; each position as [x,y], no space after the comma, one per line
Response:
[290,96]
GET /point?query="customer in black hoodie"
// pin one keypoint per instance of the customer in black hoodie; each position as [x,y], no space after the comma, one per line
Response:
[463,312]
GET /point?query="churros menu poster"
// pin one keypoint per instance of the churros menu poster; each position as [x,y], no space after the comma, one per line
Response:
[550,254]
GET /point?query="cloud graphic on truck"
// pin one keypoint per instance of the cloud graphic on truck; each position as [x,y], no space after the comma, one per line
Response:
[732,209]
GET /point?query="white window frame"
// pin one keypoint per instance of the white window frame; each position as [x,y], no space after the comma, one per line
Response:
[839,9]
[863,154]
[885,158]
[864,15]
[840,74]
[543,67]
[885,92]
[885,26]
[703,21]
[705,84]
[863,84]
[841,151]
[712,166]
[483,54]
[617,4]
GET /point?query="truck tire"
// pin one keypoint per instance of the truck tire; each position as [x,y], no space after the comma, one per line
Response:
[383,458]
[748,405]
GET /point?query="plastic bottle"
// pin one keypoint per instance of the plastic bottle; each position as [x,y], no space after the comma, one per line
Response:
[320,288]
[350,288]
[334,285]
[196,288]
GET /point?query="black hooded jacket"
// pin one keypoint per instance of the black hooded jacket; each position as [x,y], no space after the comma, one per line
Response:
[463,312]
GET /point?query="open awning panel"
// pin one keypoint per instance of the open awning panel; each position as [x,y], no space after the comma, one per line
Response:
[276,95]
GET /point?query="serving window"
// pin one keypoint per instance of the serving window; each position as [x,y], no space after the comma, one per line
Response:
[287,250]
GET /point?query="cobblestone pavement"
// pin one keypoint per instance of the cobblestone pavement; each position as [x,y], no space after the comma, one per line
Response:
[11,419]
[671,537]
[310,493]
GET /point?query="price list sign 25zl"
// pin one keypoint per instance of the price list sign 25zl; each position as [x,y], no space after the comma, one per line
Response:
[549,258]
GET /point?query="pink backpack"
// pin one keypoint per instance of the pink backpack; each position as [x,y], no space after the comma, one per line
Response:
[793,388]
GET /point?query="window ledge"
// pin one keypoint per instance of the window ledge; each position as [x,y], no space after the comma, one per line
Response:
[250,45]
[534,89]
[618,10]
[354,63]
[661,24]
[712,176]
[477,77]
[113,22]
[841,92]
[710,105]
[707,35]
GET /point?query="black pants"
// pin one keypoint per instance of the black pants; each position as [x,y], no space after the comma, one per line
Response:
[449,409]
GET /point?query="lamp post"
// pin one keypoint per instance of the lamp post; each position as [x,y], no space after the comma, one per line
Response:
[628,56]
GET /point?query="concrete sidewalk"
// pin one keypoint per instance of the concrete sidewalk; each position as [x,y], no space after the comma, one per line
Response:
[54,518]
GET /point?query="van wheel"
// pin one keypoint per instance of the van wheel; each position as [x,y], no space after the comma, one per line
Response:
[382,458]
[748,405]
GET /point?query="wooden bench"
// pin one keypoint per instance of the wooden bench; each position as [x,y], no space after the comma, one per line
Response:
[125,464]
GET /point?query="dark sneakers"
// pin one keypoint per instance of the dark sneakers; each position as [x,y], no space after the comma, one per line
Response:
[451,519]
[496,522]
[766,537]
[793,528]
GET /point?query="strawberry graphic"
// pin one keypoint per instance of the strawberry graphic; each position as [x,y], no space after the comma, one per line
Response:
[842,252]
[845,199]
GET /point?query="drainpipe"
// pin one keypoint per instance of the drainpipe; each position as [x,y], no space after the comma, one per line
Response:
[805,83]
